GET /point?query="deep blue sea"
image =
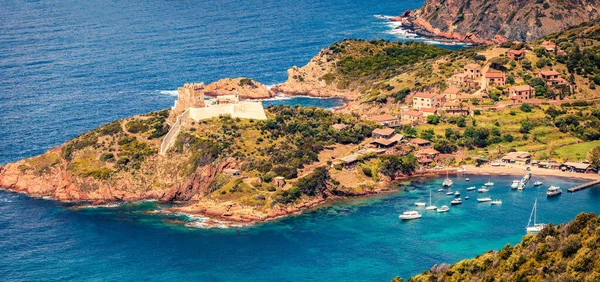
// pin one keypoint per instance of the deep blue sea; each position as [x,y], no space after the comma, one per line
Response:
[69,66]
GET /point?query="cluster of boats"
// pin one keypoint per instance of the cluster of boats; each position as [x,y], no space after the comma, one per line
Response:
[516,185]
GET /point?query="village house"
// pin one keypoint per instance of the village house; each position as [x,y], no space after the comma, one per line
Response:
[520,158]
[456,109]
[577,167]
[497,78]
[384,143]
[339,126]
[427,100]
[521,93]
[386,120]
[420,143]
[459,79]
[451,93]
[427,156]
[428,112]
[473,71]
[383,133]
[464,98]
[516,55]
[553,78]
[411,117]
[549,164]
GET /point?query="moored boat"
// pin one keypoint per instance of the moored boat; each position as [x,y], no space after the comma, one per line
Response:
[483,190]
[430,207]
[483,200]
[496,202]
[515,184]
[471,188]
[456,194]
[443,209]
[538,183]
[467,197]
[553,191]
[440,190]
[467,179]
[456,201]
[447,182]
[536,227]
[420,204]
[410,215]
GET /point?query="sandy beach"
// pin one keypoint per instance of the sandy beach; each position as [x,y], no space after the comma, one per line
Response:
[520,170]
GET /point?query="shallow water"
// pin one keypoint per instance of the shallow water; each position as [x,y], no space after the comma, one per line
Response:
[351,240]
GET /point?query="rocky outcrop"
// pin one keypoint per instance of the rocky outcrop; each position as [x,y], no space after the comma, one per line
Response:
[311,80]
[246,87]
[487,22]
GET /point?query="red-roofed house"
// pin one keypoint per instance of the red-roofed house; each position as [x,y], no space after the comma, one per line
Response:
[495,78]
[553,78]
[386,120]
[428,112]
[383,133]
[427,100]
[473,71]
[426,156]
[516,55]
[420,143]
[411,117]
[451,93]
[520,93]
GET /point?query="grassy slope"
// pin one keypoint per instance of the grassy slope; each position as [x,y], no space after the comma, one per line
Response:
[569,252]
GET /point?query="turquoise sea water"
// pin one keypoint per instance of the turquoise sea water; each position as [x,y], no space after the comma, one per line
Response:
[351,240]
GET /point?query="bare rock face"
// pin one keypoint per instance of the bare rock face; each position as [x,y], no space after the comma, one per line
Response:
[246,87]
[486,22]
[309,80]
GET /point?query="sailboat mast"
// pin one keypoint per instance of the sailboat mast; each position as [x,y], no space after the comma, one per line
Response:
[535,213]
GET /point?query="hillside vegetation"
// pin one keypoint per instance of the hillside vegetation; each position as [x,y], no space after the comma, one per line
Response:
[568,252]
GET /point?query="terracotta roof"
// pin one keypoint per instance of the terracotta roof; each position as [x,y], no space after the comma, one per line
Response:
[452,90]
[385,117]
[426,95]
[549,73]
[428,110]
[427,151]
[516,52]
[411,113]
[383,131]
[419,141]
[472,66]
[494,74]
[452,104]
[521,88]
[465,97]
[384,142]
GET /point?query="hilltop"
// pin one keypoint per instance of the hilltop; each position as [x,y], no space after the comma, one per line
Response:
[567,252]
[488,22]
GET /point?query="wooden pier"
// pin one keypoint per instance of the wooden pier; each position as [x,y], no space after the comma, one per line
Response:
[583,186]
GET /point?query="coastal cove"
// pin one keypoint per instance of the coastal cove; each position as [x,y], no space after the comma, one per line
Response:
[345,240]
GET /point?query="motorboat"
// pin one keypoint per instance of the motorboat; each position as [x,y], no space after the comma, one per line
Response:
[467,197]
[536,227]
[538,183]
[440,190]
[471,188]
[420,204]
[447,182]
[430,207]
[467,179]
[457,194]
[496,202]
[443,209]
[515,184]
[489,183]
[450,193]
[407,215]
[553,191]
[483,200]
[456,201]
[483,190]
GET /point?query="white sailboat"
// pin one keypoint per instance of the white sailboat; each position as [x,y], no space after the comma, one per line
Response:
[515,184]
[430,207]
[536,227]
[483,190]
[489,183]
[447,182]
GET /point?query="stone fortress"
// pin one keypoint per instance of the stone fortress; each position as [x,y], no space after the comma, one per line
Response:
[191,97]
